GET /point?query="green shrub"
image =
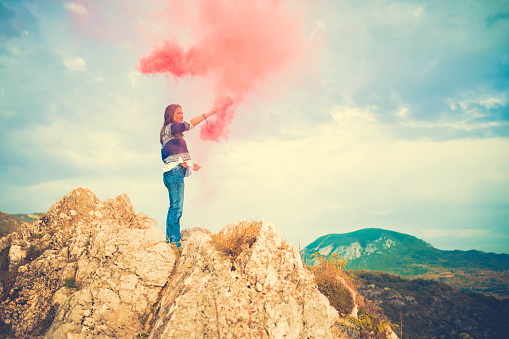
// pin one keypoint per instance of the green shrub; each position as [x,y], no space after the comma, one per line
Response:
[33,252]
[70,282]
[371,326]
[328,279]
[339,295]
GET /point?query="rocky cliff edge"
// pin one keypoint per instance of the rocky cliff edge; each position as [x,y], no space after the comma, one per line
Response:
[95,269]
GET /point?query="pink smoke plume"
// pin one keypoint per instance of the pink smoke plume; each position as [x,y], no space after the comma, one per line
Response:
[236,45]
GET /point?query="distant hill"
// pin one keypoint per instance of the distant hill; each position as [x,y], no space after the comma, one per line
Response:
[11,222]
[29,218]
[419,303]
[377,249]
[8,224]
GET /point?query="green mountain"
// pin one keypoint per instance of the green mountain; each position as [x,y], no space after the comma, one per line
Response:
[377,249]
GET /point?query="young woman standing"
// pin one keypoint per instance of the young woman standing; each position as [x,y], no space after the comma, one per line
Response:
[177,164]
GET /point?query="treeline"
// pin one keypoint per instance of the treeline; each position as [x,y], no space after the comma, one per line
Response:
[427,308]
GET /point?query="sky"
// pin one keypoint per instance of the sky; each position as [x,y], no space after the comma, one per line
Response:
[346,115]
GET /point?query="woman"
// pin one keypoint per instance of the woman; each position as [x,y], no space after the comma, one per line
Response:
[177,164]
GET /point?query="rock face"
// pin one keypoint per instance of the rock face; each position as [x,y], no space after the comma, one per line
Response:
[90,268]
[95,269]
[265,292]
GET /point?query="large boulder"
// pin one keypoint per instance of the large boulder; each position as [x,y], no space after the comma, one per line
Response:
[89,268]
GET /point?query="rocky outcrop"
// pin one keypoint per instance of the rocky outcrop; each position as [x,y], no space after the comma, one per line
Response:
[264,292]
[95,269]
[90,268]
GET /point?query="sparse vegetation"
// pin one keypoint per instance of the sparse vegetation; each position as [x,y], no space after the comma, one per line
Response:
[45,324]
[143,334]
[335,284]
[372,326]
[416,303]
[239,237]
[70,282]
[338,294]
[34,252]
[326,278]
[5,330]
[7,277]
[332,260]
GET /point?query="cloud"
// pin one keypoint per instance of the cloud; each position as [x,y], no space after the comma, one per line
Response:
[75,64]
[16,21]
[405,130]
[458,233]
[237,49]
[400,13]
[392,54]
[77,8]
[353,172]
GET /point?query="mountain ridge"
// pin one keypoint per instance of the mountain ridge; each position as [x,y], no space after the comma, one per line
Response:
[377,249]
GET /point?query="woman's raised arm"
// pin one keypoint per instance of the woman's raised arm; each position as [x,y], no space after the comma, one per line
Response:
[200,118]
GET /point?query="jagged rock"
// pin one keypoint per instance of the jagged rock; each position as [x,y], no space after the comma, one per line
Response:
[265,292]
[16,255]
[186,233]
[95,269]
[94,266]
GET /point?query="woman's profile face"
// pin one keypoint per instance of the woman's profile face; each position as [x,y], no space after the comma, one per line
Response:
[178,116]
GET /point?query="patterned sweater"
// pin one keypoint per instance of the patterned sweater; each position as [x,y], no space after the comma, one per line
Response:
[173,146]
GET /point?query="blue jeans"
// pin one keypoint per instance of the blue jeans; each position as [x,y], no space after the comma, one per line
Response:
[174,182]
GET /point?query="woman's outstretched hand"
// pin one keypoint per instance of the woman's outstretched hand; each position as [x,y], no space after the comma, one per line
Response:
[196,167]
[213,111]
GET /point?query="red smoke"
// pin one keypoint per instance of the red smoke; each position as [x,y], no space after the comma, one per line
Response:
[236,45]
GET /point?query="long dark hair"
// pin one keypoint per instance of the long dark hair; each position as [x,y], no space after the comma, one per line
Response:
[168,118]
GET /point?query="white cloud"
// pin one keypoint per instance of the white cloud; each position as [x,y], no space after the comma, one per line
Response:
[77,8]
[469,114]
[459,233]
[464,124]
[402,112]
[474,100]
[493,102]
[75,64]
[400,13]
[314,179]
[352,173]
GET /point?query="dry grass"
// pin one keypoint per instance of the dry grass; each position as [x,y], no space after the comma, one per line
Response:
[236,238]
[327,279]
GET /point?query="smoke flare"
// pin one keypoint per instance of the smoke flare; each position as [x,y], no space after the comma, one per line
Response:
[237,45]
